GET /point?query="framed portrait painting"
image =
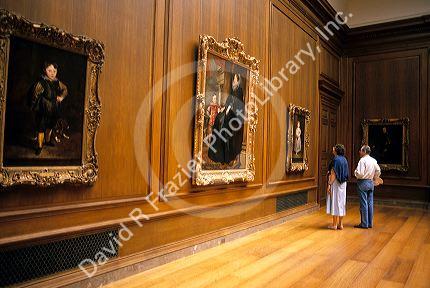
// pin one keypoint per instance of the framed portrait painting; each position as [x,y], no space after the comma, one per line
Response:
[389,141]
[298,121]
[49,104]
[225,113]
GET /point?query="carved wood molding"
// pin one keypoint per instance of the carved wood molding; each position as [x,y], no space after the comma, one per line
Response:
[319,13]
[401,32]
[329,88]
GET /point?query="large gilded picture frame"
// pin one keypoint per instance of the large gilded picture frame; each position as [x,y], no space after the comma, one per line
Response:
[225,113]
[298,140]
[389,141]
[49,104]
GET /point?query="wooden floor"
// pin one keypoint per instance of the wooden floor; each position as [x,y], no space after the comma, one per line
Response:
[303,253]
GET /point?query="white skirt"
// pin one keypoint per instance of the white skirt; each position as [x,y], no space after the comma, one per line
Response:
[336,202]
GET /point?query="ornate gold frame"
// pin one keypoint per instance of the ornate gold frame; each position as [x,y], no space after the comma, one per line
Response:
[14,25]
[230,49]
[404,167]
[302,166]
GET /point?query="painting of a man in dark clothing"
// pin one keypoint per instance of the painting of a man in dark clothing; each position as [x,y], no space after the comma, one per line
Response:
[386,142]
[231,121]
[389,142]
[226,88]
[226,113]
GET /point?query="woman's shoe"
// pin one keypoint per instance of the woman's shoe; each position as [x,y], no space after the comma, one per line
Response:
[332,227]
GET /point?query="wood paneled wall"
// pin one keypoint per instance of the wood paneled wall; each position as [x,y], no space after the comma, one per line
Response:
[300,89]
[330,65]
[388,76]
[147,117]
[147,120]
[187,20]
[127,28]
[124,85]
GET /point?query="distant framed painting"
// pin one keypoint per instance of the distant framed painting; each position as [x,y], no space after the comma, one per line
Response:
[225,113]
[49,104]
[298,121]
[389,141]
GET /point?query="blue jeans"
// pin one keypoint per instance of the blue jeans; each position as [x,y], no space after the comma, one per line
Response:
[365,190]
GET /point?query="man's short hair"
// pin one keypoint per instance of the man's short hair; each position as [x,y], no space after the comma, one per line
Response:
[366,149]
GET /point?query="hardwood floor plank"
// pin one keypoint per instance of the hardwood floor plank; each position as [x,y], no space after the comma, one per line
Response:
[304,253]
[191,262]
[340,252]
[345,275]
[420,274]
[268,262]
[418,237]
[389,284]
[291,276]
[351,249]
[374,247]
[379,266]
[400,270]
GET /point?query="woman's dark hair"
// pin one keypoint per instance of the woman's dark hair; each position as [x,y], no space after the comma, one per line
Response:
[46,64]
[340,149]
[330,165]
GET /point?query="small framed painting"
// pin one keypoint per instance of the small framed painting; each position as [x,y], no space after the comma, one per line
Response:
[298,121]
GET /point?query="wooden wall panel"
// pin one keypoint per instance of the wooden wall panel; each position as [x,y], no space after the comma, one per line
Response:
[124,84]
[345,116]
[178,228]
[393,85]
[288,36]
[127,79]
[144,41]
[330,63]
[188,20]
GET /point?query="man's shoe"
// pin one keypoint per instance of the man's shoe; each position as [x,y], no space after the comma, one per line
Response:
[38,150]
[360,227]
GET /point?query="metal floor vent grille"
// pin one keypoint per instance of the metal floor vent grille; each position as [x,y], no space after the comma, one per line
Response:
[289,201]
[28,263]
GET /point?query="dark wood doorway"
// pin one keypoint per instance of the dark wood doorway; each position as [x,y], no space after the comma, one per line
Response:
[330,97]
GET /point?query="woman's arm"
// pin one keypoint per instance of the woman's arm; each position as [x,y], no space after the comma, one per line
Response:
[330,180]
[332,177]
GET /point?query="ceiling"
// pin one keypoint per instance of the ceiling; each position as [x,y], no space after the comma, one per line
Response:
[367,12]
